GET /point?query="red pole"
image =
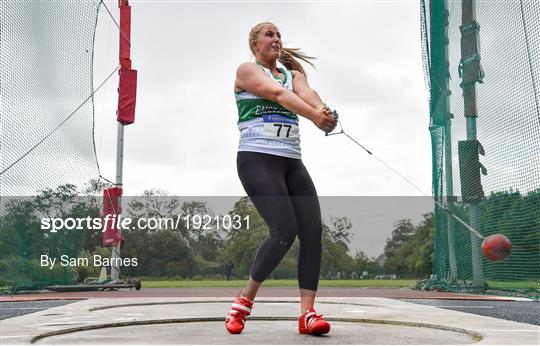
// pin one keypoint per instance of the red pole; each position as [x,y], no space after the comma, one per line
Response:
[125,34]
[127,89]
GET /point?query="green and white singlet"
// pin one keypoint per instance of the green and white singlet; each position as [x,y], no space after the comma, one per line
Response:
[266,126]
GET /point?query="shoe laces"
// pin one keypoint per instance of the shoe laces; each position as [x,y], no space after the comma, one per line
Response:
[313,314]
[316,316]
[237,315]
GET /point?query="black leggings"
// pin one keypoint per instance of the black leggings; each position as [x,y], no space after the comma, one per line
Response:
[284,195]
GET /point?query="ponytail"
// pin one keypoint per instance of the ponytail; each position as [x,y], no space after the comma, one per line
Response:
[289,56]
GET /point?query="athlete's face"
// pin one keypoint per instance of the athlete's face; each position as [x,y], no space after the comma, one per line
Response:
[268,42]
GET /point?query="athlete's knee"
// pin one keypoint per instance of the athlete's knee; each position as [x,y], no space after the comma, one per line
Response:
[286,232]
[285,237]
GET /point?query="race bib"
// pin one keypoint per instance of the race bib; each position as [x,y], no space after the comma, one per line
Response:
[279,126]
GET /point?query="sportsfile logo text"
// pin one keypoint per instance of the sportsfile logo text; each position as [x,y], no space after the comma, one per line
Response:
[193,222]
[56,224]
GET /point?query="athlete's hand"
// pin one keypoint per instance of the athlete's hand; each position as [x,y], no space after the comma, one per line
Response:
[325,109]
[324,119]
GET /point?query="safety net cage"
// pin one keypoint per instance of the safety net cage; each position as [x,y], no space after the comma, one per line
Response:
[47,147]
[482,69]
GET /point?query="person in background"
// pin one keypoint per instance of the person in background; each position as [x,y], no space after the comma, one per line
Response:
[229,269]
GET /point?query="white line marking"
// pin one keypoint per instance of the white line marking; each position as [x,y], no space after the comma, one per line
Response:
[508,330]
[355,311]
[418,306]
[56,323]
[467,306]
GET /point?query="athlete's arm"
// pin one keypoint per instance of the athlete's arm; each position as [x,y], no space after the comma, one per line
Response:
[304,91]
[251,78]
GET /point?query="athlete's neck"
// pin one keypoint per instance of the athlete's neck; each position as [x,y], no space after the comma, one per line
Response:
[271,65]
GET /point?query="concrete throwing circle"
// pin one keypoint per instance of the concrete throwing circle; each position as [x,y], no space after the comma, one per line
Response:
[259,330]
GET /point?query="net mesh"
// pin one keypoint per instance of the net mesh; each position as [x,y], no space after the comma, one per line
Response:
[46,132]
[486,168]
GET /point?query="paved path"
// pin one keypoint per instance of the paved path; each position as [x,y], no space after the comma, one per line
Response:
[199,320]
[519,311]
[396,293]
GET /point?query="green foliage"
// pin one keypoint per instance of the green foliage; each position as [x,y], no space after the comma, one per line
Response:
[90,270]
[518,218]
[508,213]
[363,263]
[414,256]
[167,252]
[241,244]
[159,253]
[403,230]
[335,256]
[173,250]
[340,230]
[23,241]
[18,273]
[200,254]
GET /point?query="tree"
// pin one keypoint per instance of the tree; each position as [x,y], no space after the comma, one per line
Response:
[403,230]
[415,255]
[195,246]
[241,244]
[335,256]
[340,230]
[23,241]
[153,203]
[163,253]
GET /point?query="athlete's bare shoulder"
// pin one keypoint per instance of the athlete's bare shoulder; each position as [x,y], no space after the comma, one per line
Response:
[244,71]
[247,67]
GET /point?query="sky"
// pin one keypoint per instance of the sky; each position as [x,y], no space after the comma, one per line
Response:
[184,140]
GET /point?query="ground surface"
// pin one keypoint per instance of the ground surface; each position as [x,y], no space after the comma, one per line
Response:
[504,308]
[184,319]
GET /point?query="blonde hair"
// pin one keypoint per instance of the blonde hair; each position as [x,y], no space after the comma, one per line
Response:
[289,56]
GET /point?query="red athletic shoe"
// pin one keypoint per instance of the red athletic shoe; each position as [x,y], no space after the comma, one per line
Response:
[311,323]
[240,309]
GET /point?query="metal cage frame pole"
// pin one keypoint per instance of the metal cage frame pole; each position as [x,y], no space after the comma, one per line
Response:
[115,269]
[441,115]
[449,179]
[471,73]
[125,64]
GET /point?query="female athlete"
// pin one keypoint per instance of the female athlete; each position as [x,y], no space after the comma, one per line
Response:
[269,100]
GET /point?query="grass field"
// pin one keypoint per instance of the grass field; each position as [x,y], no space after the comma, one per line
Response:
[157,283]
[532,285]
